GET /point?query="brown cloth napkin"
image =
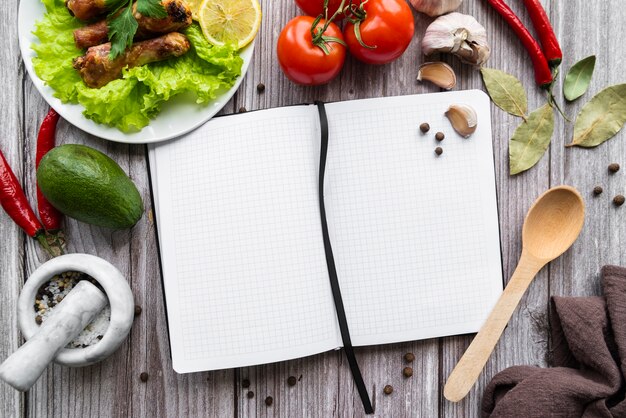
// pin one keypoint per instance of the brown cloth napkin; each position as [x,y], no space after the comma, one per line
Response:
[589,359]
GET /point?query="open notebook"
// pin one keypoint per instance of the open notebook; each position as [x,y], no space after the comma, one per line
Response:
[415,237]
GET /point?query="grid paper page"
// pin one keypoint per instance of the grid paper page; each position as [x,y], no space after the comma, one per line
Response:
[242,251]
[415,236]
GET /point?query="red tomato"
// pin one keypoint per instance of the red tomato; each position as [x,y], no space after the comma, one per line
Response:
[388,25]
[316,7]
[301,60]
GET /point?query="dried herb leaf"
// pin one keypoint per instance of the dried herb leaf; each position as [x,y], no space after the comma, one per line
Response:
[601,118]
[531,139]
[505,91]
[578,78]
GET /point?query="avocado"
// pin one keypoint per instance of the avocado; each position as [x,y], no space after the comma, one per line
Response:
[87,185]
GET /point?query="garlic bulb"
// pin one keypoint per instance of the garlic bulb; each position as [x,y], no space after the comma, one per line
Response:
[436,7]
[457,34]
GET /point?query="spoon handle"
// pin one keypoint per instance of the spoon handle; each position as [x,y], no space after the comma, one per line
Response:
[475,357]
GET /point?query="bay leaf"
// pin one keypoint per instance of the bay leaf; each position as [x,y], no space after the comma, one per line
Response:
[531,139]
[505,91]
[578,78]
[601,118]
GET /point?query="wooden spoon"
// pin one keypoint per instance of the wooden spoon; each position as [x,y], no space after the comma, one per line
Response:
[551,227]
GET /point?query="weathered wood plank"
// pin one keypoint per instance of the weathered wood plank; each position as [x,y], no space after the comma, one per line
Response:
[525,339]
[12,238]
[592,31]
[326,389]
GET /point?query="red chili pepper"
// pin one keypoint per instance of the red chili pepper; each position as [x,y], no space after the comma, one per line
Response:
[13,201]
[49,215]
[545,32]
[543,75]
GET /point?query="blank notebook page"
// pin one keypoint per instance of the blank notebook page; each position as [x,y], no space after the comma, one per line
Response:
[242,250]
[415,236]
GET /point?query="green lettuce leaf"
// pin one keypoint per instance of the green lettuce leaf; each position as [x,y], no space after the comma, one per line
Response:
[129,103]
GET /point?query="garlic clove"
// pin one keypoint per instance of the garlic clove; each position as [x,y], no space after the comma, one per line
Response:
[463,119]
[438,73]
[457,34]
[435,8]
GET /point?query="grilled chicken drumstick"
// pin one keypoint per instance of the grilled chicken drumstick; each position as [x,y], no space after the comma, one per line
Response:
[178,18]
[97,69]
[86,9]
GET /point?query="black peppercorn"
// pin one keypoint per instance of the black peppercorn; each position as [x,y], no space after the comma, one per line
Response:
[291,380]
[137,310]
[269,401]
[407,372]
[245,383]
[260,88]
[424,127]
[438,150]
[597,190]
[250,394]
[439,136]
[409,357]
[38,319]
[242,109]
[619,200]
[388,390]
[143,377]
[613,168]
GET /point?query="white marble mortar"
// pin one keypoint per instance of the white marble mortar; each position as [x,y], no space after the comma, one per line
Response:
[77,309]
[117,291]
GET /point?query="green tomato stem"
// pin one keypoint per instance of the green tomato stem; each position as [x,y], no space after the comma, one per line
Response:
[319,39]
[358,15]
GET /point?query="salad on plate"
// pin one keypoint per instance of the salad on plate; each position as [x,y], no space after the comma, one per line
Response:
[121,60]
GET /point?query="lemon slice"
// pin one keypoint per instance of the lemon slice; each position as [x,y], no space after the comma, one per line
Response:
[194,5]
[230,21]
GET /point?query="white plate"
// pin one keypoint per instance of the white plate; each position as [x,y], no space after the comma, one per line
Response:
[178,116]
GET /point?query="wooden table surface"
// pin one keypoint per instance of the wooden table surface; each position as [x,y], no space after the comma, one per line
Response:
[113,388]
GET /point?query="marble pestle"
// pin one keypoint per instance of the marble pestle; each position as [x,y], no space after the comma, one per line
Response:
[79,307]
